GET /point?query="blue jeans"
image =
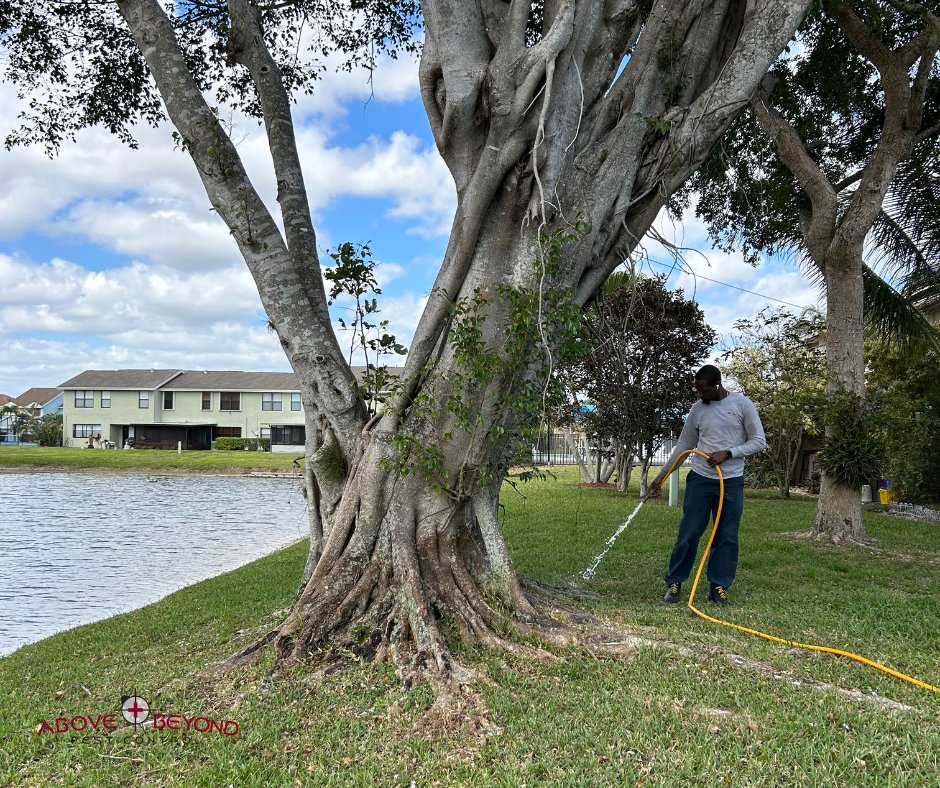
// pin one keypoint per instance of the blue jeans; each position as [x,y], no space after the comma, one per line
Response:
[698,508]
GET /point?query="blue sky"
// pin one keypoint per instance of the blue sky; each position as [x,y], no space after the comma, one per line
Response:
[111,258]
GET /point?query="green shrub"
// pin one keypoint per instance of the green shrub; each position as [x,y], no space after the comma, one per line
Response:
[49,430]
[916,467]
[242,444]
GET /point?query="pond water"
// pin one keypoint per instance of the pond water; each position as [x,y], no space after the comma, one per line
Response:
[79,547]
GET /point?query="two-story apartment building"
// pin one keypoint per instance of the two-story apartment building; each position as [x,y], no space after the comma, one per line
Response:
[159,408]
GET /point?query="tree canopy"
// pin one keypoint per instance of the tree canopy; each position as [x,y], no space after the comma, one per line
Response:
[825,165]
[76,64]
[642,343]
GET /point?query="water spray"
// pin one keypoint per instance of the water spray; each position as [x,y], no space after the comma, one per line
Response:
[588,573]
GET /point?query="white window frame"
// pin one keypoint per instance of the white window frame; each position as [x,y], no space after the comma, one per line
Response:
[272,401]
[87,396]
[90,432]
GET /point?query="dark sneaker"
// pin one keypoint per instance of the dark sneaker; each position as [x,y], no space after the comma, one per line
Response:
[719,595]
[672,592]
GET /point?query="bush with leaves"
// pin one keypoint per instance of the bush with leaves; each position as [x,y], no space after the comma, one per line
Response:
[643,342]
[907,392]
[48,430]
[242,444]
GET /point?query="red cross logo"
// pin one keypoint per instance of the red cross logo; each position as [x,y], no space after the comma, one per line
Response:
[135,710]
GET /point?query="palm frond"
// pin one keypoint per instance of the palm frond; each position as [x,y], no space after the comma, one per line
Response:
[894,317]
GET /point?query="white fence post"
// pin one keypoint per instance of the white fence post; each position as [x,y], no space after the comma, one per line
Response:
[674,488]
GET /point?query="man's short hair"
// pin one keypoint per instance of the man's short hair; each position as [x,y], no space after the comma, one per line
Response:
[710,374]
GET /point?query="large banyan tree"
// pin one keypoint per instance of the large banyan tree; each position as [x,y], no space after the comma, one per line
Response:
[566,124]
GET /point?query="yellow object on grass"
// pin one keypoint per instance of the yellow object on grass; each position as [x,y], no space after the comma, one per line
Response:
[885,496]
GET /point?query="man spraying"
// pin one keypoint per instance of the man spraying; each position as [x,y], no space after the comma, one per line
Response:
[726,427]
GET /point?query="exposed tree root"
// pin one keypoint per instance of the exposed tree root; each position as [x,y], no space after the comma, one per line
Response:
[825,538]
[768,671]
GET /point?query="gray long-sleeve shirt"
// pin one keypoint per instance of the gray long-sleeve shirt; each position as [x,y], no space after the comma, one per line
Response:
[730,423]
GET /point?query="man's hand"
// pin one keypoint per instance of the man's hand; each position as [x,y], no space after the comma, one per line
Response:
[655,489]
[718,457]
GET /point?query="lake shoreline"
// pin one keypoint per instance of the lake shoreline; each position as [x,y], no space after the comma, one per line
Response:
[124,540]
[37,459]
[252,474]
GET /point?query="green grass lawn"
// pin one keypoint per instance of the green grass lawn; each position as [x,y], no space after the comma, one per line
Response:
[45,457]
[678,713]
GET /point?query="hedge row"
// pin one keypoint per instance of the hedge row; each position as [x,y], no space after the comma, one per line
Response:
[242,444]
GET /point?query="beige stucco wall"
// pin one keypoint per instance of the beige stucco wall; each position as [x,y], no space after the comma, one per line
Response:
[187,409]
[124,410]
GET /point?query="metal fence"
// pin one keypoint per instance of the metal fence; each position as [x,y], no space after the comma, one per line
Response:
[554,448]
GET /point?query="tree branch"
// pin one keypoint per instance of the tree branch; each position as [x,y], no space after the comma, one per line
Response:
[796,158]
[860,37]
[904,105]
[303,326]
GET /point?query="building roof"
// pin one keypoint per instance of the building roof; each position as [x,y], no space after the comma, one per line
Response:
[120,379]
[37,396]
[395,372]
[193,380]
[5,398]
[233,380]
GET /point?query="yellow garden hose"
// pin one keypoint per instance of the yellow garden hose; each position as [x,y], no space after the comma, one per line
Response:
[784,641]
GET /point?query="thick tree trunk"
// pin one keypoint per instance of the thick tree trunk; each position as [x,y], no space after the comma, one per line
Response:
[839,510]
[400,558]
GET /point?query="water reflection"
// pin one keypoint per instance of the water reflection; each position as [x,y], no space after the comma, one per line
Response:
[76,548]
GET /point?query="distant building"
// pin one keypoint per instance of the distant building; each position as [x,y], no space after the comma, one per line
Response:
[158,408]
[42,402]
[38,401]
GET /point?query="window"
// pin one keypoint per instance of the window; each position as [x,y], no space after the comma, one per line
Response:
[271,401]
[228,432]
[84,399]
[288,436]
[85,430]
[230,400]
[295,400]
[265,432]
[168,400]
[105,399]
[143,399]
[207,400]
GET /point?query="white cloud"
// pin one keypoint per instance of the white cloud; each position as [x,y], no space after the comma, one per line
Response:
[393,81]
[57,319]
[411,175]
[62,297]
[167,231]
